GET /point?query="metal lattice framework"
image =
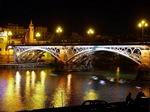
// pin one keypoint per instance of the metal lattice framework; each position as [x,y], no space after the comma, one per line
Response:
[71,53]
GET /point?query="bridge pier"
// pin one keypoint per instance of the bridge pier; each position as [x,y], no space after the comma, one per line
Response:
[143,72]
[63,55]
[145,58]
[15,57]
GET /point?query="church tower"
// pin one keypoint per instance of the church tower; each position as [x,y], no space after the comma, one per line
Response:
[31,32]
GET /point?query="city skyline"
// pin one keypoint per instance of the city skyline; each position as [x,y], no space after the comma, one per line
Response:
[107,17]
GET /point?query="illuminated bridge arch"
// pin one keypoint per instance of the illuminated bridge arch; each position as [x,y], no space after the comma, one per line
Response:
[108,50]
[20,50]
[34,49]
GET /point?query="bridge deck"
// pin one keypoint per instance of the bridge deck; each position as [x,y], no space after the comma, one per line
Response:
[68,44]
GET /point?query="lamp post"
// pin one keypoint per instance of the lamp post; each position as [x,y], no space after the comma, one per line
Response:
[9,34]
[59,30]
[38,34]
[142,24]
[90,32]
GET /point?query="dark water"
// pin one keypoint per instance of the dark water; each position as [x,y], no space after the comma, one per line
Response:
[41,88]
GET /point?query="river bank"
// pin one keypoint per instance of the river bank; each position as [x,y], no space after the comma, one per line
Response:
[99,105]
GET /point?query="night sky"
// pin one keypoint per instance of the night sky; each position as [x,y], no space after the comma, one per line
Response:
[106,16]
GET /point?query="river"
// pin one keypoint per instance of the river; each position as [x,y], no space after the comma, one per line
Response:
[27,89]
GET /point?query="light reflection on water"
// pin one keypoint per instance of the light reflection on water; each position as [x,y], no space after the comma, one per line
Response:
[117,74]
[34,89]
[59,98]
[62,93]
[12,97]
[91,94]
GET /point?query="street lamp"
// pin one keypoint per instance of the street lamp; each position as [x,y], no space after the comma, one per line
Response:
[38,34]
[90,31]
[9,34]
[59,30]
[142,24]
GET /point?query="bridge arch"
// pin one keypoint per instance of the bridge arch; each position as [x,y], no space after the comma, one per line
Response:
[41,49]
[108,50]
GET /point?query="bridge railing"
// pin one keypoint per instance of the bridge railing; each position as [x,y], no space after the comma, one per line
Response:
[93,43]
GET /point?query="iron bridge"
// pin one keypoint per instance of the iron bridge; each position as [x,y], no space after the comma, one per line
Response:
[71,53]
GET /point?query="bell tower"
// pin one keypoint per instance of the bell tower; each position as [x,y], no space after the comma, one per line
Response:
[31,32]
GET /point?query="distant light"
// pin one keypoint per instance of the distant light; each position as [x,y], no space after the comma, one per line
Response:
[9,47]
[139,25]
[94,77]
[112,80]
[9,33]
[90,31]
[102,82]
[59,29]
[138,87]
[146,24]
[143,21]
[142,24]
[38,34]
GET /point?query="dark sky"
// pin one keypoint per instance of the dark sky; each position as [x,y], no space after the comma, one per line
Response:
[107,16]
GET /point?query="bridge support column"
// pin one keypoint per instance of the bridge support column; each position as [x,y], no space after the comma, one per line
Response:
[144,69]
[63,55]
[145,57]
[15,58]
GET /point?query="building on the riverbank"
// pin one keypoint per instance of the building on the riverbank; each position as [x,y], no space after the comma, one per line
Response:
[3,42]
[13,34]
[10,34]
[6,52]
